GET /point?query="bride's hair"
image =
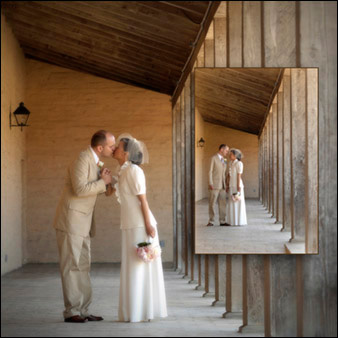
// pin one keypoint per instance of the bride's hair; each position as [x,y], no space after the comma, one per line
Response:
[131,146]
[238,154]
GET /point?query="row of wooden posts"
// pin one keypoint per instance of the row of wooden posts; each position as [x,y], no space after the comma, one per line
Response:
[291,295]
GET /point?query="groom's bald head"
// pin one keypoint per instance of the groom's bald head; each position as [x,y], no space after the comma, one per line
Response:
[103,142]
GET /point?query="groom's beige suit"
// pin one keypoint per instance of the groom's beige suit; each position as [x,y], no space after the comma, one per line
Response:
[74,224]
[217,176]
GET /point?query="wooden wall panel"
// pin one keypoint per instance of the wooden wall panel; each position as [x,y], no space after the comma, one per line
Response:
[280,33]
[318,28]
[310,308]
[235,33]
[220,27]
[252,35]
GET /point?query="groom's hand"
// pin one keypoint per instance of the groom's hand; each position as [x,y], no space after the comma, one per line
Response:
[106,176]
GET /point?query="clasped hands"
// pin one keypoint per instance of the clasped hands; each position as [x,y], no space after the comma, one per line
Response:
[106,176]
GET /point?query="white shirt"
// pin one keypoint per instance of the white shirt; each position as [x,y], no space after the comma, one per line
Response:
[95,156]
[131,183]
[221,157]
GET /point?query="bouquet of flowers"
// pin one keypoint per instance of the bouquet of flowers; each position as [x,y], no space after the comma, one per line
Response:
[147,251]
[236,196]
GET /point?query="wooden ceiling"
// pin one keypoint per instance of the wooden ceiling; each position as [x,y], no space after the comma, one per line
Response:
[144,43]
[237,98]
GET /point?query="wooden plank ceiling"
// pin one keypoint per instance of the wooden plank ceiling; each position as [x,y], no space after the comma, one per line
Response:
[237,98]
[142,43]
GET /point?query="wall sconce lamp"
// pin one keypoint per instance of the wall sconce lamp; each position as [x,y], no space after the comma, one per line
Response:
[21,116]
[201,142]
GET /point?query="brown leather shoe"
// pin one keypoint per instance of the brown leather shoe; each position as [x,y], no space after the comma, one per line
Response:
[209,225]
[225,224]
[75,319]
[92,318]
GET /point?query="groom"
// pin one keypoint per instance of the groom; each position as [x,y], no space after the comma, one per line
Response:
[74,224]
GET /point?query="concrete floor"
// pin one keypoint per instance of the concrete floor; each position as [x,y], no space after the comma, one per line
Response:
[32,304]
[260,236]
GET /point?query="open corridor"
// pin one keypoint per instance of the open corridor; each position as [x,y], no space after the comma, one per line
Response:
[32,304]
[261,235]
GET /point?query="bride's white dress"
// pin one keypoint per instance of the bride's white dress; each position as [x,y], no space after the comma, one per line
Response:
[236,211]
[142,292]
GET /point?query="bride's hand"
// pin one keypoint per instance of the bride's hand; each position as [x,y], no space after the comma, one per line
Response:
[150,231]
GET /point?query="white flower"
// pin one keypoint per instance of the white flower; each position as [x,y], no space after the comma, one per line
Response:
[100,164]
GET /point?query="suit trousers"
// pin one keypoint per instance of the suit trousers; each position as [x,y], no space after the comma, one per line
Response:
[74,253]
[217,195]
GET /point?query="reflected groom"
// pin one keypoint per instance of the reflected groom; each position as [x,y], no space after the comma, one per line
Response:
[217,176]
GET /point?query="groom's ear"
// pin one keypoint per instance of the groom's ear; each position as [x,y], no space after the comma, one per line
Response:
[99,148]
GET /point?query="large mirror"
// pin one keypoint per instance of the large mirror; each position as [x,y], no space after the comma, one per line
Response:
[256,160]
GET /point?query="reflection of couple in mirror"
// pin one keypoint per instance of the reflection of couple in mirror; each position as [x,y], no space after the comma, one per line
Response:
[226,188]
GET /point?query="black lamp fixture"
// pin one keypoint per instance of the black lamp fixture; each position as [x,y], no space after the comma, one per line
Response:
[21,116]
[201,142]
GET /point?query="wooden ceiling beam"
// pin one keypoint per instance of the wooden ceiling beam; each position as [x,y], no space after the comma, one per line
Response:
[196,7]
[34,48]
[231,125]
[55,22]
[129,26]
[84,49]
[174,11]
[148,17]
[231,83]
[64,61]
[230,90]
[230,101]
[229,117]
[273,94]
[227,75]
[207,20]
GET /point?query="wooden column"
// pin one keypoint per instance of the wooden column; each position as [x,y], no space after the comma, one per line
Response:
[228,286]
[279,215]
[287,197]
[267,296]
[187,175]
[280,48]
[312,188]
[283,297]
[220,36]
[235,42]
[201,273]
[178,239]
[318,29]
[274,159]
[253,292]
[194,259]
[266,165]
[270,162]
[174,184]
[299,156]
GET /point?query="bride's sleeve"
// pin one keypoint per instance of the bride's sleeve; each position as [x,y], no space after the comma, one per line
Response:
[138,182]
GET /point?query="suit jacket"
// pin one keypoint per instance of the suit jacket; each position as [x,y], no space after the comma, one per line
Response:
[217,172]
[75,212]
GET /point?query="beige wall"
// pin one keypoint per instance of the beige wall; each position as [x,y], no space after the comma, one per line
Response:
[214,135]
[13,81]
[67,108]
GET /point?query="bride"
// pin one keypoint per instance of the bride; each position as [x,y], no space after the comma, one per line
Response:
[142,293]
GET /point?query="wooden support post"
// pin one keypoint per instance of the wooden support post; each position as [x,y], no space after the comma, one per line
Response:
[267,300]
[228,289]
